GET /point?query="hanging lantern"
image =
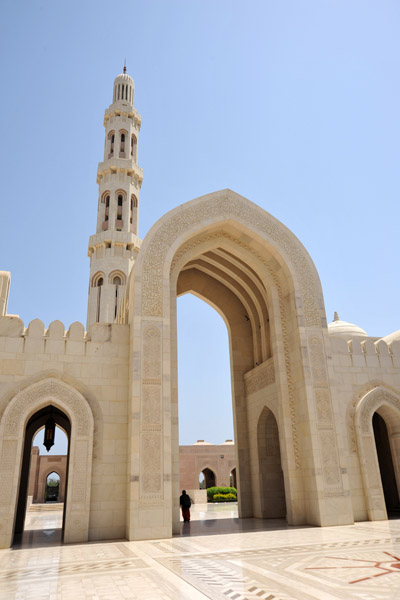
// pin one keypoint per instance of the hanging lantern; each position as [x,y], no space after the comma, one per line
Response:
[49,433]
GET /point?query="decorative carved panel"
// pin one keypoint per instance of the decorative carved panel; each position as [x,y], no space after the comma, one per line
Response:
[227,206]
[261,377]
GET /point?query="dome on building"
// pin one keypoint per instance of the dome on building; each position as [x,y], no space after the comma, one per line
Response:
[344,329]
[228,443]
[123,78]
[392,337]
[124,89]
[202,443]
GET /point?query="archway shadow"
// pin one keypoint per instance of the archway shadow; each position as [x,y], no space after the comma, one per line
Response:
[235,525]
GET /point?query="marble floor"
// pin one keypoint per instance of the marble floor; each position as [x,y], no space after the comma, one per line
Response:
[275,562]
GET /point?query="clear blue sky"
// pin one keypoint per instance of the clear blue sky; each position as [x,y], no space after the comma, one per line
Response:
[294,105]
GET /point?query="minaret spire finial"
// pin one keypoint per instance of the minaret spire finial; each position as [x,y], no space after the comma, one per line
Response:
[336,317]
[124,65]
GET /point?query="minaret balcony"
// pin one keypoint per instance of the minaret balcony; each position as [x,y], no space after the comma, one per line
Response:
[119,165]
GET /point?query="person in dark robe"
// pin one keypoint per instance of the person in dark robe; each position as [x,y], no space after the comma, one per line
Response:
[185,504]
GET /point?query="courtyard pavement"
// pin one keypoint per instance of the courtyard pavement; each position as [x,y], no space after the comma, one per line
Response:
[265,560]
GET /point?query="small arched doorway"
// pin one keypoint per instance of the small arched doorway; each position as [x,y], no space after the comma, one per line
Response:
[36,422]
[52,487]
[272,488]
[232,478]
[208,479]
[386,466]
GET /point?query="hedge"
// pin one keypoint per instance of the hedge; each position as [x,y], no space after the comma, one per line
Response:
[220,490]
[224,498]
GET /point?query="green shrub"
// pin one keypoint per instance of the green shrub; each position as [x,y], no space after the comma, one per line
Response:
[219,490]
[224,498]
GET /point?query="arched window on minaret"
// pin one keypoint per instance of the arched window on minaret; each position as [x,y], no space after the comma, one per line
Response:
[120,202]
[105,199]
[117,278]
[97,282]
[134,147]
[111,138]
[123,135]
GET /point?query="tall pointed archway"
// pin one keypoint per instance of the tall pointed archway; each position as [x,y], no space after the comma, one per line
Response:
[258,276]
[386,404]
[36,421]
[21,408]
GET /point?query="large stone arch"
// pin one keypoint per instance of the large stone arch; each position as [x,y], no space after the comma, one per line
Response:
[387,404]
[246,264]
[20,409]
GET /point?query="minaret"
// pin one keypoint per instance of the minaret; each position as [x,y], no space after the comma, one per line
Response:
[113,248]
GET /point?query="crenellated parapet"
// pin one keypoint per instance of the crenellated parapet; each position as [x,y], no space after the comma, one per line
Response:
[56,339]
[368,352]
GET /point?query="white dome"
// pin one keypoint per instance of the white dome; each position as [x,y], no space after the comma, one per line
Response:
[123,78]
[344,329]
[392,337]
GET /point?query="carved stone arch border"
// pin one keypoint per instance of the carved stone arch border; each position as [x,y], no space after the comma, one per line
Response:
[388,404]
[73,383]
[12,436]
[177,226]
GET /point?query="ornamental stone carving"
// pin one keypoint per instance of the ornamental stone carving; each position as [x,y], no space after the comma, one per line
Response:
[330,459]
[226,205]
[317,358]
[260,377]
[151,352]
[43,390]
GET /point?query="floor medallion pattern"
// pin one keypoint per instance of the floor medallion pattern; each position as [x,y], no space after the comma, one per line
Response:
[360,562]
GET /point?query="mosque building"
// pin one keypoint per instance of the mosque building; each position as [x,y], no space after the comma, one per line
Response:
[316,407]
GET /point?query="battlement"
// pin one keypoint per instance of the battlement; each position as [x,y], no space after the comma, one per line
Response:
[56,339]
[367,352]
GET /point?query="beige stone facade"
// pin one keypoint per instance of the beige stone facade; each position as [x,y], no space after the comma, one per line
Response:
[217,463]
[305,396]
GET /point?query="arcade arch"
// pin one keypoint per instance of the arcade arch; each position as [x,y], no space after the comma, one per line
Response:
[258,276]
[377,426]
[24,415]
[209,478]
[53,482]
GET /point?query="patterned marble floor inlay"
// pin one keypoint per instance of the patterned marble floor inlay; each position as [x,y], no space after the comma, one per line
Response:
[360,562]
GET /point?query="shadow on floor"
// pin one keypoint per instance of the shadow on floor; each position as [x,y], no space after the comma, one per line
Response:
[34,538]
[236,525]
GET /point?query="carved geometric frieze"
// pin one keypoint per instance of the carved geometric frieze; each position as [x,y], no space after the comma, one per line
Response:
[369,459]
[79,472]
[151,463]
[260,377]
[330,459]
[323,404]
[151,404]
[151,352]
[8,455]
[317,358]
